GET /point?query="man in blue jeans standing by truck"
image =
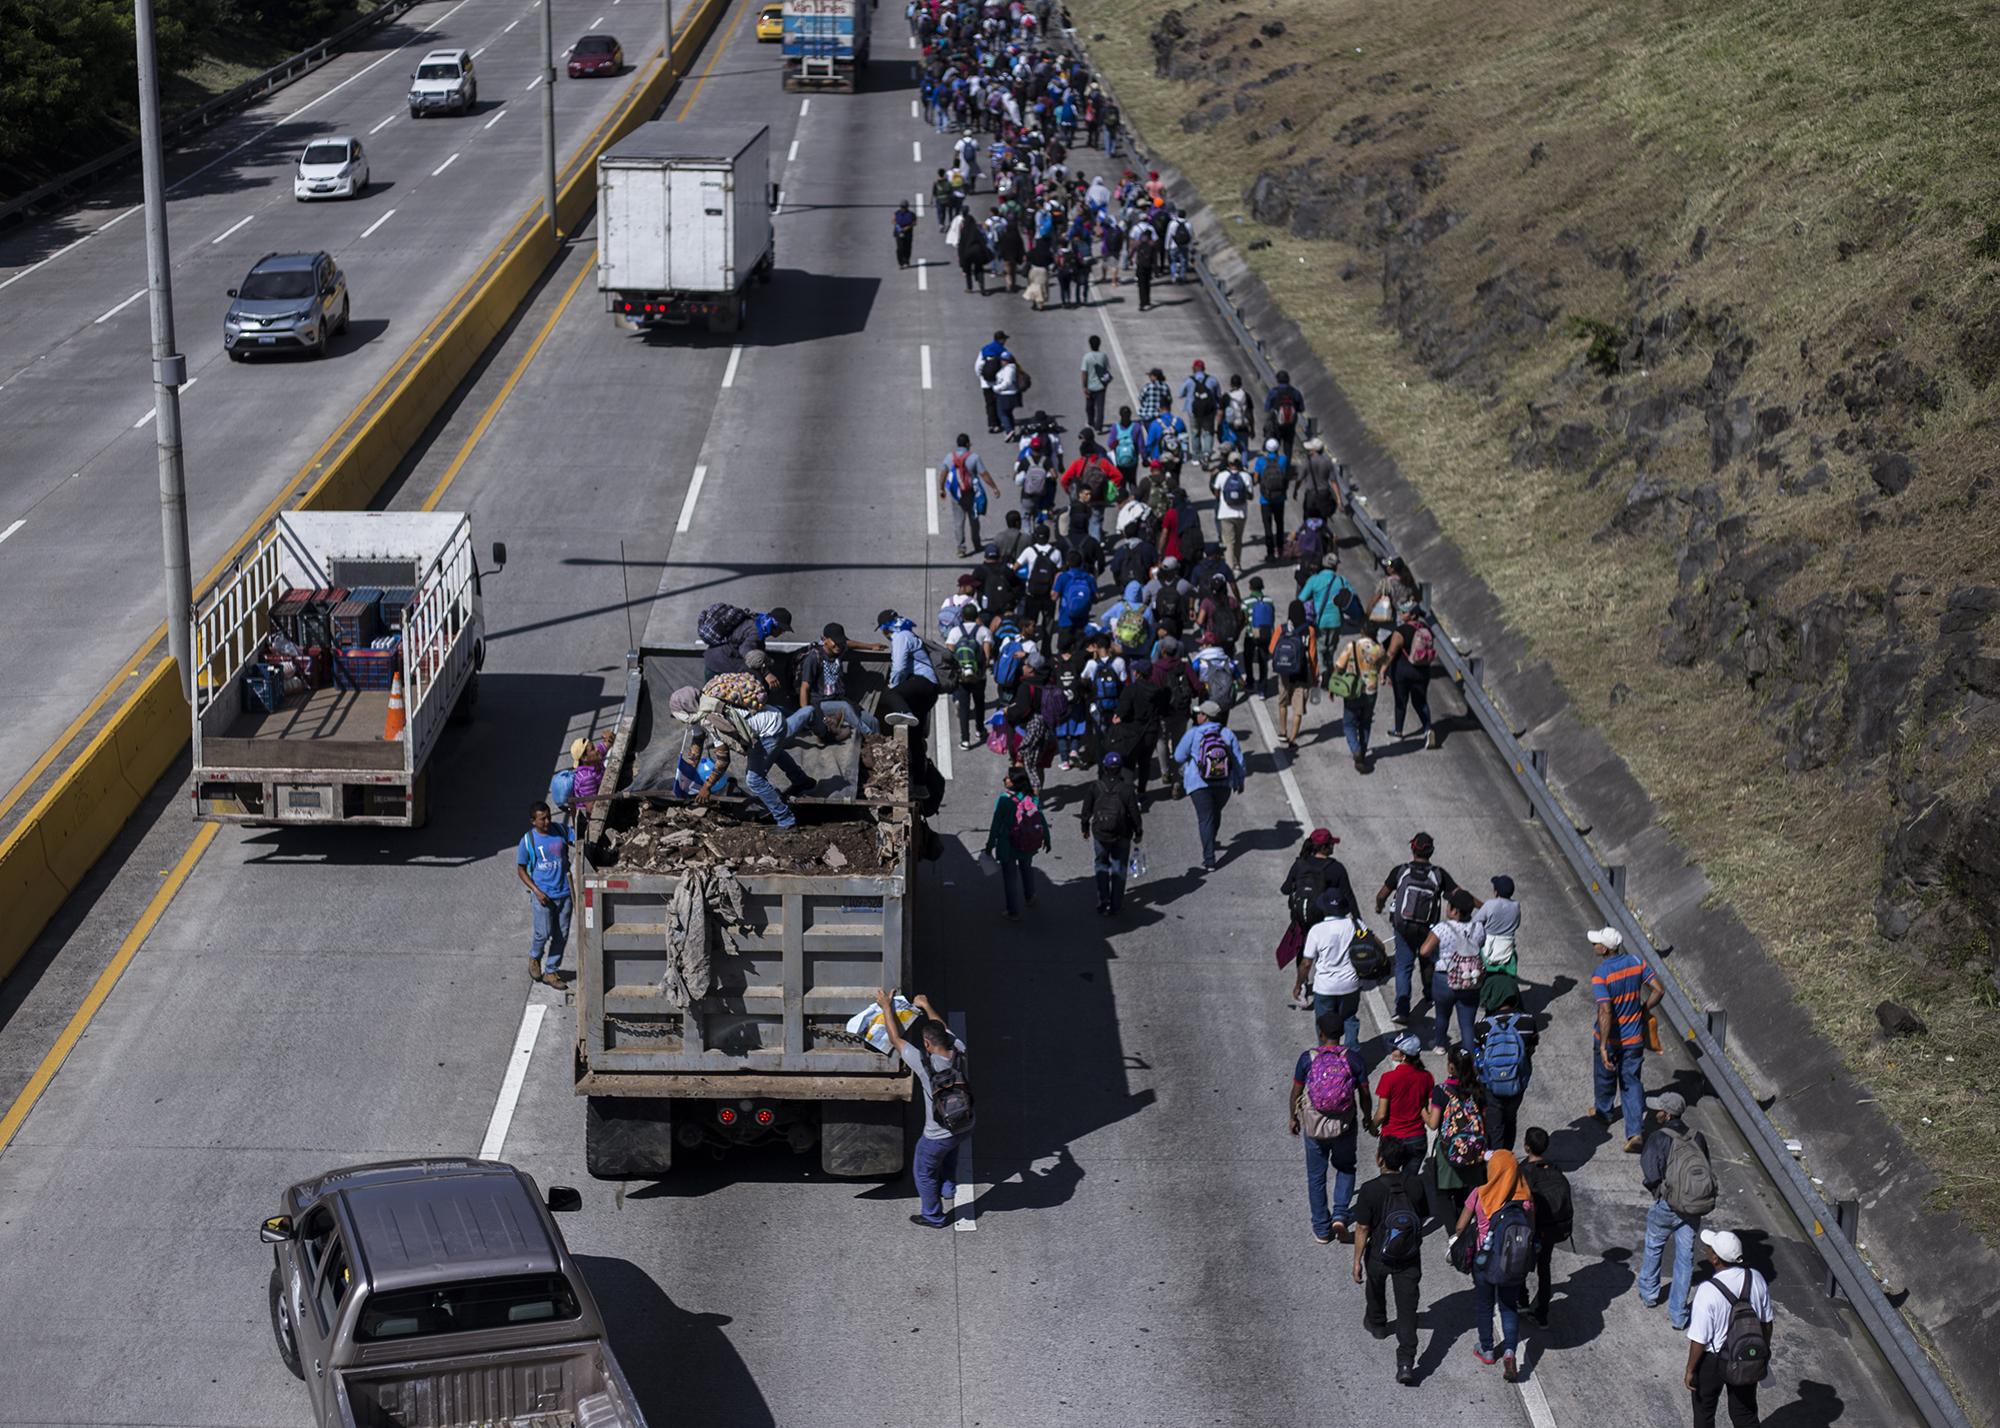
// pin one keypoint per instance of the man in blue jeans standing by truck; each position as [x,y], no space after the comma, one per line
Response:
[542,864]
[939,1064]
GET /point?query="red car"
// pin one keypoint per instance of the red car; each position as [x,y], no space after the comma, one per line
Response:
[596,55]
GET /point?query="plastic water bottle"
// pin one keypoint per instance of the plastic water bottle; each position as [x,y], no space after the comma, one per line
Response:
[1136,869]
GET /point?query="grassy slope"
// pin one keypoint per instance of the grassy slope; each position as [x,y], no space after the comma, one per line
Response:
[1785,131]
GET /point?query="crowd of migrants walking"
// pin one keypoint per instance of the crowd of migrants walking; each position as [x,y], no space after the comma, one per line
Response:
[1103,628]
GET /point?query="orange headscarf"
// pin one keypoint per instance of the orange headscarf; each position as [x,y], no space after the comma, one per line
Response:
[1504,1182]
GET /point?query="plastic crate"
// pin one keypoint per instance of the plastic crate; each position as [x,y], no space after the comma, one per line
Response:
[354,621]
[394,603]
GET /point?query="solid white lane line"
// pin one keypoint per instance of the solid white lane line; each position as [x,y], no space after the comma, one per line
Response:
[511,1083]
[729,372]
[496,118]
[917,150]
[120,308]
[1282,760]
[229,230]
[11,529]
[963,1191]
[944,741]
[73,243]
[930,501]
[693,495]
[792,154]
[445,165]
[1537,1404]
[383,125]
[378,223]
[923,277]
[925,351]
[1117,349]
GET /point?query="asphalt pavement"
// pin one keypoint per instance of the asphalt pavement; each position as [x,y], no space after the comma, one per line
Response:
[1135,1248]
[80,560]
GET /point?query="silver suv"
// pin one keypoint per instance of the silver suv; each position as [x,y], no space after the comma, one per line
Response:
[289,301]
[443,80]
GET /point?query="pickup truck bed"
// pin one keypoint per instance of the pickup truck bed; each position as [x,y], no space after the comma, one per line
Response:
[492,1391]
[329,729]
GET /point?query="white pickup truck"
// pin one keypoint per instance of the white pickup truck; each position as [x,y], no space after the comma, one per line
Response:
[331,618]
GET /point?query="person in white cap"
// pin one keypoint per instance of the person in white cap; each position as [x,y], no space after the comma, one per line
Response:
[1626,991]
[1211,762]
[1729,1348]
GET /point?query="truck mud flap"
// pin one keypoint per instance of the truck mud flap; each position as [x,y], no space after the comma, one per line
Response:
[628,1137]
[861,1139]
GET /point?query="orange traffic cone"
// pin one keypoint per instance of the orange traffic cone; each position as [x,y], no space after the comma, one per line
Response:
[394,720]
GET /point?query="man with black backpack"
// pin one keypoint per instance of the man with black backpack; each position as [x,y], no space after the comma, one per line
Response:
[1039,565]
[1201,398]
[1112,822]
[946,1096]
[1418,889]
[1173,676]
[1729,1336]
[1284,404]
[1675,1166]
[1233,490]
[1555,1213]
[1273,471]
[1213,763]
[1390,1213]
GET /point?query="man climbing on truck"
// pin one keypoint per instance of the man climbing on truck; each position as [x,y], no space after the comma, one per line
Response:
[939,1065]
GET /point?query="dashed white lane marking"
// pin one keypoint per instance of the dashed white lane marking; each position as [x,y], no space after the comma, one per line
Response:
[930,500]
[378,223]
[478,52]
[913,108]
[693,495]
[924,355]
[792,154]
[495,119]
[152,412]
[965,1192]
[913,41]
[106,317]
[383,125]
[73,243]
[445,165]
[729,372]
[804,104]
[943,743]
[535,81]
[917,150]
[598,21]
[923,277]
[1536,1404]
[510,27]
[11,529]
[511,1083]
[920,205]
[229,230]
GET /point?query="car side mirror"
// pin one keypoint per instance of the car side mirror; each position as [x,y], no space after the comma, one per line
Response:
[276,1231]
[563,1199]
[499,553]
[232,292]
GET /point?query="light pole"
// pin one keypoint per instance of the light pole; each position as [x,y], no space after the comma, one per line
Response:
[169,367]
[668,44]
[549,116]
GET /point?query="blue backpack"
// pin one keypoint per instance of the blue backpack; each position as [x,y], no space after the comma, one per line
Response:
[1126,452]
[1076,598]
[1503,1057]
[1108,688]
[561,787]
[1007,669]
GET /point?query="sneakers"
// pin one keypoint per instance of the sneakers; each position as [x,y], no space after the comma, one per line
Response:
[1508,1370]
[901,719]
[1406,1375]
[921,1223]
[1321,1239]
[1430,738]
[1479,1351]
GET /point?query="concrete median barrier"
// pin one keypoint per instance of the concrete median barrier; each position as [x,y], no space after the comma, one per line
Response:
[50,849]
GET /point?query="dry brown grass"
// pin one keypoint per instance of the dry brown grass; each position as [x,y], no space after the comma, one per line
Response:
[1786,131]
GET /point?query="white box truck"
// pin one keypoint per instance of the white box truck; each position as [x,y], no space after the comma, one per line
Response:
[684,223]
[300,652]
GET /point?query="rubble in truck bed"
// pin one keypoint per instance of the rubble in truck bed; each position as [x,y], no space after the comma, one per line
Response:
[885,768]
[669,839]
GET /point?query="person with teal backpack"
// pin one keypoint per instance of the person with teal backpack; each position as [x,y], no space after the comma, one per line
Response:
[1018,832]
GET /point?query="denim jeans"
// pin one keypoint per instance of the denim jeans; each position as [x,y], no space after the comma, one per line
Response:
[1507,1298]
[931,1167]
[1177,263]
[1624,1084]
[1662,1225]
[849,714]
[551,931]
[1446,1000]
[1110,858]
[1004,403]
[1357,717]
[1338,1154]
[1209,801]
[763,755]
[1406,966]
[1017,882]
[1201,442]
[1345,1005]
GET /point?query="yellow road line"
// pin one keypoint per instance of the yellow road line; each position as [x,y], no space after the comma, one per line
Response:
[507,387]
[709,68]
[100,990]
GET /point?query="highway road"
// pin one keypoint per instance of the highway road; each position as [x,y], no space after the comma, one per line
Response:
[1136,1249]
[80,583]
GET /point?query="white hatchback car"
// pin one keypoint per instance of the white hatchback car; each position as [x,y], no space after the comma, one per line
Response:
[331,168]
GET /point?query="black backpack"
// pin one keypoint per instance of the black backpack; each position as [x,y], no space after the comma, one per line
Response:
[951,1094]
[1746,1348]
[1400,1237]
[1288,657]
[1510,1245]
[1129,561]
[990,368]
[1203,404]
[1110,820]
[1226,623]
[1042,574]
[1170,604]
[1417,895]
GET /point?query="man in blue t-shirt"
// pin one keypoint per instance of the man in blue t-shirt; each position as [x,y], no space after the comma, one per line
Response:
[542,864]
[1329,1138]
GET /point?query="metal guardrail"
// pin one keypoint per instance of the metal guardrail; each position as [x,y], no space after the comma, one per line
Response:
[223,105]
[1829,1228]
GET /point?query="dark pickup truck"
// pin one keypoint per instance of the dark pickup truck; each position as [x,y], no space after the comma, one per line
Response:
[439,1294]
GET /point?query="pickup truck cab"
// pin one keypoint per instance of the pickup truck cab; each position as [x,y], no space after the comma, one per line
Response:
[438,1292]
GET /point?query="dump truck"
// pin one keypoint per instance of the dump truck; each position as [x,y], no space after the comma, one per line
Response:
[684,223]
[333,628]
[721,958]
[825,44]
[439,1292]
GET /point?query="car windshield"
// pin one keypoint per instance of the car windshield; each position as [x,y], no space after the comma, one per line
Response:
[464,1308]
[437,71]
[595,45]
[324,154]
[267,286]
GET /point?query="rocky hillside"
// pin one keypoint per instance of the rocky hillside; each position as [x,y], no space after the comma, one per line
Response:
[1685,320]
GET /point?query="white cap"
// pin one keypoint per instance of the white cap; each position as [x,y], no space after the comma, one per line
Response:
[1727,1246]
[1270,443]
[1608,937]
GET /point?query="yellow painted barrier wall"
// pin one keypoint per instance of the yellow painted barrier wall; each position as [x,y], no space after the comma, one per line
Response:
[50,850]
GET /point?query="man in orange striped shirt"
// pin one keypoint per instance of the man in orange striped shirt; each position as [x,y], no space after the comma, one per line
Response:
[1626,991]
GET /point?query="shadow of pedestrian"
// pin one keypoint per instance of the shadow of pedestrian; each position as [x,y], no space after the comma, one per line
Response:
[1022,1187]
[1817,1405]
[1577,1303]
[678,1361]
[1448,1319]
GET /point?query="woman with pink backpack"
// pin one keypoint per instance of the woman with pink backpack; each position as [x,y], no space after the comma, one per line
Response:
[1019,831]
[1412,655]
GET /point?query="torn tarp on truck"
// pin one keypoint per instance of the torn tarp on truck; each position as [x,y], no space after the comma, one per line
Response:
[707,898]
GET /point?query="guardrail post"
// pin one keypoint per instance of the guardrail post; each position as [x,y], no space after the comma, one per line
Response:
[1538,760]
[1614,874]
[1718,1025]
[1847,1215]
[1473,666]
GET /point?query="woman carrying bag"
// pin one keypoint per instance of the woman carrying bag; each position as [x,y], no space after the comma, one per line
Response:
[1503,1214]
[1313,871]
[1018,832]
[1355,678]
